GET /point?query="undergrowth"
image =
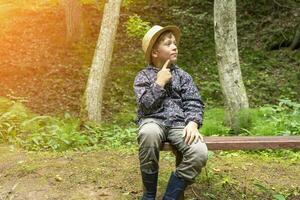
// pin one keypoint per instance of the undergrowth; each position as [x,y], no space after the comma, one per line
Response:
[34,132]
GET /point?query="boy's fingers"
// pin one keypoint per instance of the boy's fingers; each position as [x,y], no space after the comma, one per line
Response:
[187,137]
[201,138]
[184,132]
[192,138]
[165,66]
[196,138]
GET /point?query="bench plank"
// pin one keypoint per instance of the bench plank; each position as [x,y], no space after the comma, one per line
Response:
[247,142]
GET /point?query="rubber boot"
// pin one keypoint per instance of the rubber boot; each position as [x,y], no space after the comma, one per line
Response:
[175,187]
[150,185]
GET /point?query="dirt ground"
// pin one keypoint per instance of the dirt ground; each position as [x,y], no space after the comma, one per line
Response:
[115,175]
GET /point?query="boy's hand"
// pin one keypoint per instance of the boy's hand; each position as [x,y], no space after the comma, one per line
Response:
[191,133]
[164,75]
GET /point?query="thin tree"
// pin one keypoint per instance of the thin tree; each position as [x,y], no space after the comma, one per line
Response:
[228,58]
[73,18]
[102,59]
[296,41]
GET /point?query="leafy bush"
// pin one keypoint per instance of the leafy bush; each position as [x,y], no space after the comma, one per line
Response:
[136,27]
[11,116]
[288,117]
[281,119]
[107,136]
[20,127]
[33,132]
[45,133]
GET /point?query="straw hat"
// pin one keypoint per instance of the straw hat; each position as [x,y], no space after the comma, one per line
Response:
[152,35]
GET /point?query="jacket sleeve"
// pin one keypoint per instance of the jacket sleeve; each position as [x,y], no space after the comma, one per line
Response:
[149,96]
[192,104]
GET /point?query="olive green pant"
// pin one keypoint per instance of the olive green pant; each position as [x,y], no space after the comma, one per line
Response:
[151,134]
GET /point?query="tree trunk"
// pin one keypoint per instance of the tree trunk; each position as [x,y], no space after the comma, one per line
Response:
[228,59]
[102,59]
[73,18]
[296,41]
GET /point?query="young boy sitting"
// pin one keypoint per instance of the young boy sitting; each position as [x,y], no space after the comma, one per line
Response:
[169,109]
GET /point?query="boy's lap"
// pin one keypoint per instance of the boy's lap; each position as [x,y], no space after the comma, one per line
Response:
[172,135]
[176,139]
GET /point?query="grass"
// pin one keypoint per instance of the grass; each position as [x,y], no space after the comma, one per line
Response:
[237,178]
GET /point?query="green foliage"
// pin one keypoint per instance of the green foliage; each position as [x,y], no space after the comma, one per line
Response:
[214,123]
[265,76]
[19,126]
[33,132]
[111,136]
[12,114]
[127,3]
[288,117]
[223,182]
[264,72]
[260,187]
[136,27]
[49,133]
[281,119]
[121,100]
[189,14]
[279,197]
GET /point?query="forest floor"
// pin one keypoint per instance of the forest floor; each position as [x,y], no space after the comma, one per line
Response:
[114,174]
[37,66]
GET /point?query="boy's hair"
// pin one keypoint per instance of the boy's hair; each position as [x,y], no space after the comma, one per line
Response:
[162,37]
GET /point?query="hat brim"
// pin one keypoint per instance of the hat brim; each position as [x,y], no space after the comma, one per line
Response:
[174,29]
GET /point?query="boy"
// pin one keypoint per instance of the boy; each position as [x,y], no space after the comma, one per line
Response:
[169,108]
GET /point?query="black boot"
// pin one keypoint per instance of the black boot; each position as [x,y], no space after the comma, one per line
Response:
[150,185]
[175,188]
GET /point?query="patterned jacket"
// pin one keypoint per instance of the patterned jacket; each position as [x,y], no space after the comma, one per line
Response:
[176,104]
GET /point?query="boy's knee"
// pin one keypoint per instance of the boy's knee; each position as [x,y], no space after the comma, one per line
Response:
[150,135]
[199,155]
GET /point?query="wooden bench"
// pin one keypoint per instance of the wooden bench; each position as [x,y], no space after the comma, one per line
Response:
[246,142]
[241,143]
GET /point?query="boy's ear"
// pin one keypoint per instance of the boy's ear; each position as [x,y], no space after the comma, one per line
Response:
[154,53]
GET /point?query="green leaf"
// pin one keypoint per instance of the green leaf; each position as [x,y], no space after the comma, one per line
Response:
[278,197]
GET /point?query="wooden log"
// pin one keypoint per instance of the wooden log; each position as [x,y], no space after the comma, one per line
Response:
[247,142]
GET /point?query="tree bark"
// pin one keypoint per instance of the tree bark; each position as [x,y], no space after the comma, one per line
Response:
[102,59]
[73,18]
[228,59]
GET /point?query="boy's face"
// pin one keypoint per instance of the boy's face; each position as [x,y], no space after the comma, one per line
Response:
[165,50]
